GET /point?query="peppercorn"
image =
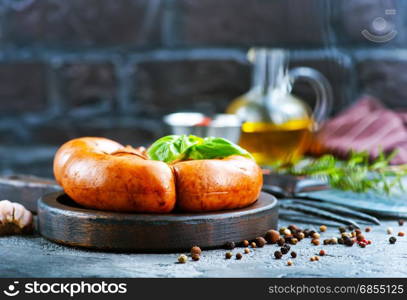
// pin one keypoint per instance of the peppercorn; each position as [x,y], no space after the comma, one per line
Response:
[358,231]
[230,245]
[272,236]
[311,233]
[401,233]
[278,255]
[246,250]
[341,241]
[353,234]
[342,229]
[322,228]
[294,241]
[315,235]
[287,246]
[322,252]
[228,255]
[351,227]
[196,250]
[362,244]
[282,229]
[334,241]
[315,242]
[289,263]
[284,250]
[345,234]
[287,232]
[389,230]
[348,241]
[327,242]
[182,259]
[288,239]
[401,222]
[293,254]
[360,237]
[306,232]
[253,244]
[196,256]
[281,242]
[293,227]
[368,229]
[299,236]
[392,240]
[260,241]
[239,255]
[245,243]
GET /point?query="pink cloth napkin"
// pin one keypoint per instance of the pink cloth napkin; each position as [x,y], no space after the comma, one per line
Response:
[367,125]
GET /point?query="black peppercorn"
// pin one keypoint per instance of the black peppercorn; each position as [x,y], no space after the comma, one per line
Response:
[341,241]
[287,246]
[293,254]
[348,241]
[312,232]
[392,240]
[327,242]
[284,250]
[288,239]
[230,245]
[239,255]
[306,232]
[281,242]
[401,222]
[342,229]
[278,254]
[351,227]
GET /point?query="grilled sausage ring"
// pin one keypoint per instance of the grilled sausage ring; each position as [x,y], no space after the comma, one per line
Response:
[101,174]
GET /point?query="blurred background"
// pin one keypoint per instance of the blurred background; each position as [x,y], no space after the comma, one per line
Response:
[72,68]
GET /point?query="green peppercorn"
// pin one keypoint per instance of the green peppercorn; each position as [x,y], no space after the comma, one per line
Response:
[182,259]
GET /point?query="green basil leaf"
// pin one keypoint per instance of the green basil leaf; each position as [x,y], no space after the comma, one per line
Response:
[174,147]
[214,147]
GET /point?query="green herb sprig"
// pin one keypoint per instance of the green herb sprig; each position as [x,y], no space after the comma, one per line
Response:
[173,148]
[358,173]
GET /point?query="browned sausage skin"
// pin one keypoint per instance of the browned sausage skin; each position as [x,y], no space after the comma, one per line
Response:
[99,173]
[217,184]
[102,174]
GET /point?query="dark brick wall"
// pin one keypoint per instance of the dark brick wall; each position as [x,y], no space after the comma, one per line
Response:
[70,68]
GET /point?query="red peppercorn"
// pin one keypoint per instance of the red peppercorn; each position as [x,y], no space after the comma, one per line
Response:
[362,244]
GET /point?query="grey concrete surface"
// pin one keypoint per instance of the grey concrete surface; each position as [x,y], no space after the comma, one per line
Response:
[36,257]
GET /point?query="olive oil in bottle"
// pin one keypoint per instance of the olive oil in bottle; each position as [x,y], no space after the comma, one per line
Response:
[276,126]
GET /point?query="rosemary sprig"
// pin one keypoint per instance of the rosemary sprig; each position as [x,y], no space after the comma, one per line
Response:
[358,173]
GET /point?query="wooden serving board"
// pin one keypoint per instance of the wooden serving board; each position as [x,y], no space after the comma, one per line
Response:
[63,221]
